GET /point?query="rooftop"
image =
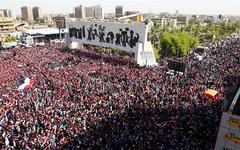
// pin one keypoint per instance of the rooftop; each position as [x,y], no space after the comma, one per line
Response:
[45,31]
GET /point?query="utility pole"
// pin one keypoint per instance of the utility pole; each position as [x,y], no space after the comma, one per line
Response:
[60,36]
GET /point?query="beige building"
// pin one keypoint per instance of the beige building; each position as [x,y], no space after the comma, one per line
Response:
[6,25]
[94,12]
[89,12]
[165,21]
[79,12]
[1,14]
[37,13]
[27,13]
[5,13]
[98,12]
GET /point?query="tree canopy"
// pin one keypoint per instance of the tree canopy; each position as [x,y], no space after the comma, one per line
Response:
[10,39]
[172,41]
[39,20]
[177,44]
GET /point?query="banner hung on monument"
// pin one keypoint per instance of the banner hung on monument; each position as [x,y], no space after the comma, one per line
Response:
[114,35]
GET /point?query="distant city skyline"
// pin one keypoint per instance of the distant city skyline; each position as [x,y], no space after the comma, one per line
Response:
[208,7]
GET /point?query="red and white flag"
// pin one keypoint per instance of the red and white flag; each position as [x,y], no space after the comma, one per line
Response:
[10,103]
[27,84]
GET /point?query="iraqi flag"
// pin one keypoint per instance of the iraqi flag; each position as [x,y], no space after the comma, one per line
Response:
[10,103]
[27,84]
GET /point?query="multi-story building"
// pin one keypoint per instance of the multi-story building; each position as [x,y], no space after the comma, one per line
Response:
[6,25]
[89,12]
[79,12]
[176,13]
[182,20]
[131,12]
[37,13]
[194,18]
[8,13]
[233,19]
[71,15]
[210,19]
[1,14]
[27,13]
[202,18]
[164,21]
[5,13]
[119,11]
[165,14]
[98,12]
[92,12]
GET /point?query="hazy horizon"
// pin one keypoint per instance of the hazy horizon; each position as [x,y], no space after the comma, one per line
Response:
[208,7]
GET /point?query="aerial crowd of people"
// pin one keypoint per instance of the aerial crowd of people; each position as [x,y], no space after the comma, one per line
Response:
[81,99]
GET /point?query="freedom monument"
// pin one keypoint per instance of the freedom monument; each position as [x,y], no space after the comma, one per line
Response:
[126,37]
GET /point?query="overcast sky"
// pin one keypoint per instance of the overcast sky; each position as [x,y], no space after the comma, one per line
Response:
[225,7]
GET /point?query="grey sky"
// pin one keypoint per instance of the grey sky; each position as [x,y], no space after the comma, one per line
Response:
[225,7]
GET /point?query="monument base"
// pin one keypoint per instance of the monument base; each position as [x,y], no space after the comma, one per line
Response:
[145,55]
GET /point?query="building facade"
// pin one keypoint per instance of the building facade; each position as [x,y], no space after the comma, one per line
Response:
[165,21]
[79,12]
[27,13]
[37,13]
[119,11]
[1,14]
[89,12]
[6,25]
[7,13]
[94,12]
[131,12]
[98,12]
[182,20]
[71,15]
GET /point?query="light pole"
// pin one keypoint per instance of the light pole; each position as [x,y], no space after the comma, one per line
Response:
[60,37]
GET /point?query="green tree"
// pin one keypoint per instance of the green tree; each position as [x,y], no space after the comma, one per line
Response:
[39,20]
[170,41]
[10,39]
[177,44]
[147,21]
[155,34]
[156,53]
[112,20]
[167,45]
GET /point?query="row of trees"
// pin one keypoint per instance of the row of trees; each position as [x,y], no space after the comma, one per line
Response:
[172,41]
[38,20]
[211,31]
[10,39]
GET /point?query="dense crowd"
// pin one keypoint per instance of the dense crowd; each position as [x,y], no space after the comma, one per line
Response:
[82,99]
